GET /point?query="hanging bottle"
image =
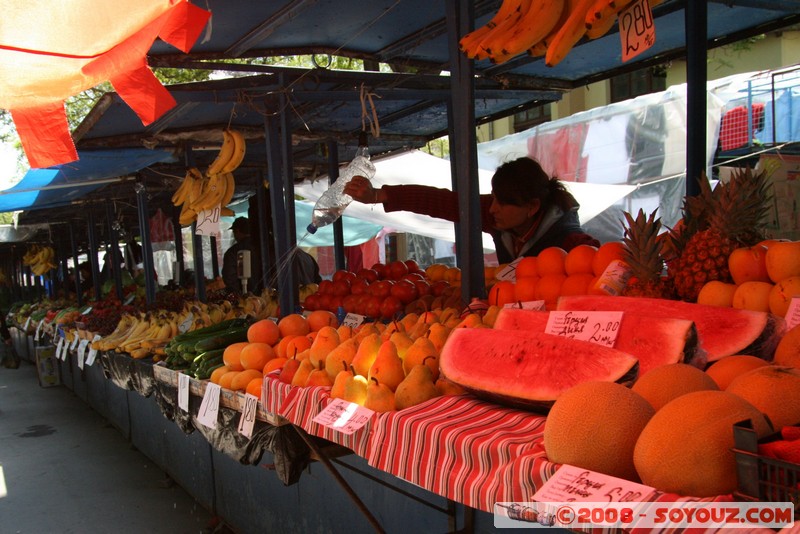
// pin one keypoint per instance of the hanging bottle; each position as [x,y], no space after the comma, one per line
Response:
[333,201]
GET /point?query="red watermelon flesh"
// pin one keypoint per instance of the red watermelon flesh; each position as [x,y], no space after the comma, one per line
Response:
[528,369]
[722,331]
[654,341]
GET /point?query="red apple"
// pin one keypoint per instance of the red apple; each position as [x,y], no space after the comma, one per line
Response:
[343,274]
[413,266]
[390,307]
[438,287]
[373,307]
[405,291]
[382,269]
[381,288]
[312,302]
[325,287]
[423,287]
[341,287]
[397,269]
[360,286]
[370,275]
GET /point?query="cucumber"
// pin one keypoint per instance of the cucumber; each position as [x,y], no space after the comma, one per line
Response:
[208,355]
[221,340]
[204,373]
[196,335]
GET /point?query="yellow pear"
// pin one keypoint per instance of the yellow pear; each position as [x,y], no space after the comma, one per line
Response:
[391,328]
[380,398]
[471,320]
[447,314]
[345,332]
[438,333]
[326,340]
[416,388]
[491,315]
[422,351]
[401,342]
[301,375]
[355,389]
[366,354]
[418,330]
[340,382]
[343,354]
[319,377]
[364,330]
[428,317]
[387,367]
[448,387]
[409,320]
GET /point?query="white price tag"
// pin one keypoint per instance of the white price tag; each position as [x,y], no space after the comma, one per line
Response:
[64,351]
[27,323]
[75,341]
[130,299]
[186,324]
[793,313]
[614,278]
[572,483]
[209,408]
[80,359]
[343,416]
[58,347]
[183,392]
[248,419]
[208,222]
[38,330]
[87,311]
[537,305]
[82,350]
[93,352]
[353,320]
[637,31]
[509,272]
[598,327]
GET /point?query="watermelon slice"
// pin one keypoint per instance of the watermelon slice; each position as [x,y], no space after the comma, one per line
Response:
[654,341]
[528,369]
[722,331]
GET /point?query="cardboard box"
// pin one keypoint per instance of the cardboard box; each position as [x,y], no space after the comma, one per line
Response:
[47,366]
[784,215]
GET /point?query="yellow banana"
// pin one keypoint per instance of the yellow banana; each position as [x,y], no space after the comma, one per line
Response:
[182,193]
[230,188]
[212,194]
[470,42]
[239,150]
[187,215]
[540,19]
[570,33]
[601,26]
[224,155]
[492,44]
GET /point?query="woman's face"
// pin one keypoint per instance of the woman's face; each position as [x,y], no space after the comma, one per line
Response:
[512,217]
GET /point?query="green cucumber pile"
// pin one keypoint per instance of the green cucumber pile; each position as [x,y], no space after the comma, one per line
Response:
[199,352]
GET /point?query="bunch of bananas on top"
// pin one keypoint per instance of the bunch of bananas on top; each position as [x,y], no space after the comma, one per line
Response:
[40,259]
[204,191]
[548,28]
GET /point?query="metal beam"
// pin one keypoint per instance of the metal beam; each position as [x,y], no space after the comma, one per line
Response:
[268,27]
[696,21]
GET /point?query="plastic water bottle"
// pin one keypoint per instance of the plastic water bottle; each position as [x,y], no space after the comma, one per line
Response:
[332,203]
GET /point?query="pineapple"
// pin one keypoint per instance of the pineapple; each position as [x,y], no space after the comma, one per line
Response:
[715,223]
[644,257]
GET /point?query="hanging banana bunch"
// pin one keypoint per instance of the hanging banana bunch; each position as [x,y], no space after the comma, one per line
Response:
[40,259]
[204,191]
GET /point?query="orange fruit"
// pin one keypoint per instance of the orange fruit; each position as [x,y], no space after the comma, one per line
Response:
[549,289]
[748,264]
[240,381]
[453,275]
[606,253]
[782,293]
[783,260]
[577,284]
[502,292]
[525,289]
[319,318]
[256,355]
[294,323]
[264,331]
[436,271]
[274,363]
[297,344]
[217,373]
[527,267]
[254,387]
[579,260]
[280,347]
[551,261]
[226,379]
[230,355]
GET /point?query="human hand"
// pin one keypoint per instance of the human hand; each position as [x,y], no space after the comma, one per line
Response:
[361,189]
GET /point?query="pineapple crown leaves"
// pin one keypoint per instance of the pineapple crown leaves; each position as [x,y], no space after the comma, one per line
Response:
[741,206]
[643,245]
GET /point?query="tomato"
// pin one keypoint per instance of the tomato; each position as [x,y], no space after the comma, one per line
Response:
[390,307]
[397,269]
[382,270]
[360,286]
[370,275]
[413,266]
[343,274]
[325,287]
[381,288]
[405,291]
[311,302]
[373,307]
[341,287]
[350,303]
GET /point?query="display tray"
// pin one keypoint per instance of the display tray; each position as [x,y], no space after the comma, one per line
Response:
[228,399]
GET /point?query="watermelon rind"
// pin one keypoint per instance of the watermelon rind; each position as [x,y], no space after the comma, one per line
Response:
[528,370]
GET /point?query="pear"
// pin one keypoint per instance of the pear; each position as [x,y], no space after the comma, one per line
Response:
[448,387]
[471,320]
[416,388]
[409,320]
[342,354]
[366,354]
[355,389]
[345,332]
[364,330]
[301,375]
[289,369]
[422,351]
[340,382]
[380,398]
[438,333]
[387,367]
[491,315]
[418,330]
[319,377]
[326,340]
[402,341]
[391,328]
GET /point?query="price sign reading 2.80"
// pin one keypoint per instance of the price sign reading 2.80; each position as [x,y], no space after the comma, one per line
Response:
[636,29]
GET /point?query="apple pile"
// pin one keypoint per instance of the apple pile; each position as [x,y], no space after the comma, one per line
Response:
[383,291]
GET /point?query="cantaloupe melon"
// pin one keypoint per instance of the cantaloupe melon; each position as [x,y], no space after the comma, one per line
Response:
[788,350]
[774,390]
[724,370]
[595,426]
[669,382]
[685,448]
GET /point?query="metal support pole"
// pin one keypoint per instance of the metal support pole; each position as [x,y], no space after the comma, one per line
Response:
[338,226]
[263,237]
[696,21]
[464,153]
[214,258]
[147,247]
[113,245]
[76,272]
[199,269]
[93,251]
[176,227]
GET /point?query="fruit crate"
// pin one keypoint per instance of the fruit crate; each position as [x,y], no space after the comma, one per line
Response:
[763,478]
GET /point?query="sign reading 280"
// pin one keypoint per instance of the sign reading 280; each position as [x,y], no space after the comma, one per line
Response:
[636,29]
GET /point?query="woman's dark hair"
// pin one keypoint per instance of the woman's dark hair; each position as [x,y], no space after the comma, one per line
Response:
[523,180]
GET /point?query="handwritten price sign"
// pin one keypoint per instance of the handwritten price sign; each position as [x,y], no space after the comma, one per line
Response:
[598,327]
[208,222]
[342,416]
[572,483]
[636,29]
